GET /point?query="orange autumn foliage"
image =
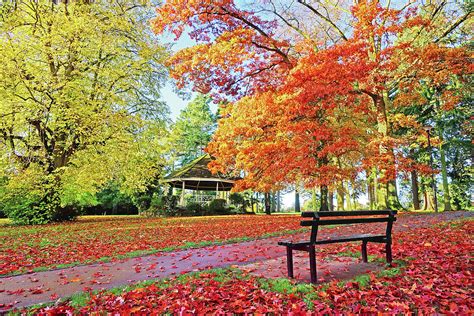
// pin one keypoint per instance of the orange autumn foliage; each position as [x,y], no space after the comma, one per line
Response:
[297,109]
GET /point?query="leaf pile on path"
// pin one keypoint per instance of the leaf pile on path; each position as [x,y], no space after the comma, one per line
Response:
[25,248]
[435,278]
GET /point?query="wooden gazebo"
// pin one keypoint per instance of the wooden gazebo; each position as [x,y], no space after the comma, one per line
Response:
[197,176]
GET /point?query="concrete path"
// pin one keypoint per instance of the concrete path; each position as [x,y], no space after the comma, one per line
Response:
[28,289]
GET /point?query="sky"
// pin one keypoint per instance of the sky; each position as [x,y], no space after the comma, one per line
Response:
[174,101]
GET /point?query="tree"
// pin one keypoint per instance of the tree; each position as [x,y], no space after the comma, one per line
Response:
[79,88]
[193,129]
[291,89]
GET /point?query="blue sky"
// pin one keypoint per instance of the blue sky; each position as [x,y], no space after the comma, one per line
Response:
[175,102]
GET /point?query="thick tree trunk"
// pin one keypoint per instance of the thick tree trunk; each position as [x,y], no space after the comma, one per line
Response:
[415,190]
[427,198]
[389,189]
[340,196]
[348,197]
[297,201]
[324,199]
[267,203]
[331,200]
[444,175]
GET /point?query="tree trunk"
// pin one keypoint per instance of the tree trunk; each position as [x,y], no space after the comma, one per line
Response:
[393,203]
[376,188]
[354,197]
[389,189]
[331,200]
[414,190]
[297,201]
[340,196]
[272,202]
[348,197]
[370,190]
[427,197]
[444,175]
[314,199]
[324,199]
[278,201]
[267,202]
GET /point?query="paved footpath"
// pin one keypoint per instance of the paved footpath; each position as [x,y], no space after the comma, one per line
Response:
[28,289]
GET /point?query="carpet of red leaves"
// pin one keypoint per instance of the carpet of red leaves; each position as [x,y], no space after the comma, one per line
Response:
[435,279]
[25,248]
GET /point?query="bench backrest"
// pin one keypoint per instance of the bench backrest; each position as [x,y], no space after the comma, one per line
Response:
[356,217]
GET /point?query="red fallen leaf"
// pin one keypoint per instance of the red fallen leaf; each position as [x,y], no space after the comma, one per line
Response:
[54,296]
[453,307]
[15,292]
[38,290]
[98,274]
[151,267]
[138,269]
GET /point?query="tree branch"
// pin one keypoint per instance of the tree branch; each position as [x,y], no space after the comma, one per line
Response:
[334,26]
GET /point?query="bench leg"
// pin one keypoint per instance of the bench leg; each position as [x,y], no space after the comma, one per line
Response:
[312,264]
[364,251]
[388,251]
[289,261]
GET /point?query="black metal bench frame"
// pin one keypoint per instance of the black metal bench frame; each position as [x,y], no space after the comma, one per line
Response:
[358,217]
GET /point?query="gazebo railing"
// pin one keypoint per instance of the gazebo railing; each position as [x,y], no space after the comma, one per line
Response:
[200,199]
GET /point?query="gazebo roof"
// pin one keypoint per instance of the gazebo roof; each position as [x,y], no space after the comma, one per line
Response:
[197,176]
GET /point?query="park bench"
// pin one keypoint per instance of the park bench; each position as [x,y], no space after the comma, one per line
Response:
[340,218]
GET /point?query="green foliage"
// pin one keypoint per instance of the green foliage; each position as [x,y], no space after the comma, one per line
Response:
[110,200]
[80,108]
[193,129]
[218,206]
[193,208]
[239,201]
[162,206]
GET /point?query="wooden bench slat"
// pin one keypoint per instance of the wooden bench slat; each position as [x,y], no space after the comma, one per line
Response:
[323,222]
[367,237]
[347,213]
[350,238]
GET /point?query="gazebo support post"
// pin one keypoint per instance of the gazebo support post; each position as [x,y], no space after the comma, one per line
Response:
[182,195]
[217,189]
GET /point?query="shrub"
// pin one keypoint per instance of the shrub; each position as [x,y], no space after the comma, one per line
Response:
[162,206]
[218,206]
[193,208]
[239,201]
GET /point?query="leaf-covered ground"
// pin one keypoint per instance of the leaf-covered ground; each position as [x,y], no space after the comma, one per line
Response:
[432,276]
[26,248]
[91,239]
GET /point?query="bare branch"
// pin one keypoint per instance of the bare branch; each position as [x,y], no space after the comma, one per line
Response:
[325,18]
